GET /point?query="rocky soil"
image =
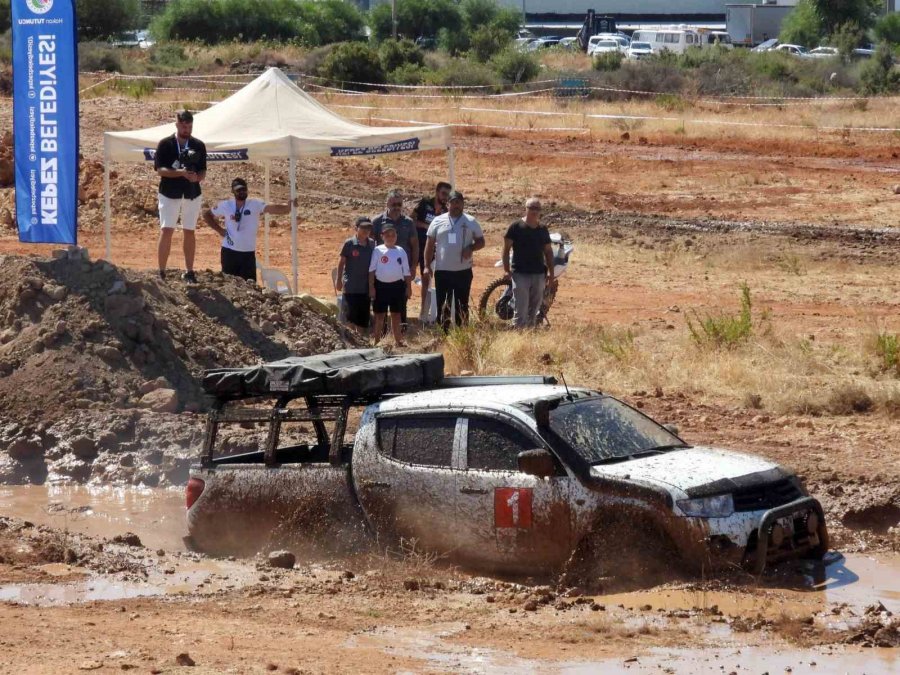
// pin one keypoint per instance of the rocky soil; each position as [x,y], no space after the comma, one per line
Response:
[100,366]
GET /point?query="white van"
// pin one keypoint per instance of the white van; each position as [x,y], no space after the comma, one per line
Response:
[712,38]
[677,40]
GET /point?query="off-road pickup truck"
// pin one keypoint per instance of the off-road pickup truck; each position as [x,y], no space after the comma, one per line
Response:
[511,474]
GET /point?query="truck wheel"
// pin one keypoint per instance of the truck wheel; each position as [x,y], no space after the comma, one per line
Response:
[623,553]
[495,300]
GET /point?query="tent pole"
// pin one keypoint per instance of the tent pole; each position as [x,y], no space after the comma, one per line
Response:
[294,261]
[267,197]
[451,160]
[107,225]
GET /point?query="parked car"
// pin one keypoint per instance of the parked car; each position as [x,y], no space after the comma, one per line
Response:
[862,53]
[823,53]
[639,50]
[605,47]
[137,38]
[766,46]
[716,38]
[569,43]
[621,40]
[516,475]
[793,50]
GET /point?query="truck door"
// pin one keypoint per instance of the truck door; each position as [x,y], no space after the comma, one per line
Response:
[509,519]
[408,487]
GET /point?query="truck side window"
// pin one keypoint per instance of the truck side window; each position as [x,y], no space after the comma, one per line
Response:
[494,445]
[426,441]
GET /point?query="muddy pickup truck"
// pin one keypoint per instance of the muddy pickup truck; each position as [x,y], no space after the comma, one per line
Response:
[513,475]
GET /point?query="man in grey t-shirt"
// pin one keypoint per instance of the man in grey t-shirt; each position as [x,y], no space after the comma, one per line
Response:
[452,239]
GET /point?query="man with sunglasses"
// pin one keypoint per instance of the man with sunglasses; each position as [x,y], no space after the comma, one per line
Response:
[241,218]
[532,262]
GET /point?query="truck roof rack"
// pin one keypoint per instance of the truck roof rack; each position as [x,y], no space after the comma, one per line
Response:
[492,380]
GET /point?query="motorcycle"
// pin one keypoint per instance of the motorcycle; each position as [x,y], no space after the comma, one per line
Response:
[498,299]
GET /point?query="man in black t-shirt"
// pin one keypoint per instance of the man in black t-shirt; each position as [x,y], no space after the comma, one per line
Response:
[424,213]
[180,163]
[532,262]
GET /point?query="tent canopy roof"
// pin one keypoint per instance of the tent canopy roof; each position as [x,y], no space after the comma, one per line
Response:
[272,117]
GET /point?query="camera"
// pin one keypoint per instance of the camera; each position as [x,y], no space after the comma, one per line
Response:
[187,159]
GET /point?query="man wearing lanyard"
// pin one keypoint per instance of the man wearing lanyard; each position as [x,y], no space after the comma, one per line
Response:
[241,216]
[452,239]
[180,162]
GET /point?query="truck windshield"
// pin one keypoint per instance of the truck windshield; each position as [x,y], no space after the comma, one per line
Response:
[603,429]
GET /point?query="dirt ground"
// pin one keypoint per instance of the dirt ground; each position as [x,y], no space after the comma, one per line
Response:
[663,226]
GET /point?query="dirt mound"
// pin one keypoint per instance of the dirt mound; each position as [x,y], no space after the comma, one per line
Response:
[79,336]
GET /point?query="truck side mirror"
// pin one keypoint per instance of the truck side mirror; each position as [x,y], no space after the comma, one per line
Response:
[538,463]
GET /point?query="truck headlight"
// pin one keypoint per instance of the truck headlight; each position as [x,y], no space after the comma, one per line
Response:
[720,506]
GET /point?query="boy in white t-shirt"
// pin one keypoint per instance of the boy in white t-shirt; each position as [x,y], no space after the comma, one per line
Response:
[390,282]
[241,217]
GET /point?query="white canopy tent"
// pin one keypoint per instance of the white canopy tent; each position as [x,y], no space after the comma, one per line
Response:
[270,118]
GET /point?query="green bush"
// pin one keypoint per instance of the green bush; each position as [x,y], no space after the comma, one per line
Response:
[846,38]
[396,53]
[5,16]
[415,18]
[352,62]
[213,21]
[99,19]
[6,47]
[608,61]
[878,75]
[887,348]
[454,42]
[168,56]
[98,56]
[462,73]
[487,41]
[802,25]
[887,29]
[408,74]
[515,66]
[723,330]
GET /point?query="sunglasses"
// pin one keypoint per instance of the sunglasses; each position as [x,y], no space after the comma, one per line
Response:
[534,208]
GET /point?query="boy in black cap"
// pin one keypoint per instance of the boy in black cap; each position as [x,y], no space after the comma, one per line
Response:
[353,273]
[241,220]
[390,282]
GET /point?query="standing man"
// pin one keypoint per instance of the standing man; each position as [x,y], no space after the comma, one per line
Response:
[353,273]
[180,163]
[405,229]
[532,262]
[452,239]
[425,212]
[241,217]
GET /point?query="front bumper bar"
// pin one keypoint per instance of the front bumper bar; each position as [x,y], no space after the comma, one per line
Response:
[769,517]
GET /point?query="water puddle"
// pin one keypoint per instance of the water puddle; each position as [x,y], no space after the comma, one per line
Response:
[157,516]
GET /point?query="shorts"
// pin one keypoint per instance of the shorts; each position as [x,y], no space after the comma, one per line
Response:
[357,307]
[389,296]
[423,239]
[170,209]
[239,263]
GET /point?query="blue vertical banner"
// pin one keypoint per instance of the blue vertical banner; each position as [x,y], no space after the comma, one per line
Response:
[45,119]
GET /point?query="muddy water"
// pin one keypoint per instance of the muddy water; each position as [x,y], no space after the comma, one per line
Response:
[157,516]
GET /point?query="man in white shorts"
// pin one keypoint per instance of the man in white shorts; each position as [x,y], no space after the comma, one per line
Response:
[181,164]
[241,217]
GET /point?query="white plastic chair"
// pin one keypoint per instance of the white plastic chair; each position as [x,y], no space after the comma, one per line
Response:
[274,279]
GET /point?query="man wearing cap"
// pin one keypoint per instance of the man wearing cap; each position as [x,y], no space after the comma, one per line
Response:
[405,228]
[180,162]
[241,219]
[452,239]
[353,273]
[425,212]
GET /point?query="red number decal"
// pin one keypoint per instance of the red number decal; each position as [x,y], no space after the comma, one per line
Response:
[512,507]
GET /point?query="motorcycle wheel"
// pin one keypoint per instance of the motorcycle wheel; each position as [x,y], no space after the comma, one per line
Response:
[495,300]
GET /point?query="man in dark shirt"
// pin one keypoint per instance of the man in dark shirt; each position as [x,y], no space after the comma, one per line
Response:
[353,273]
[181,165]
[406,232]
[425,212]
[532,262]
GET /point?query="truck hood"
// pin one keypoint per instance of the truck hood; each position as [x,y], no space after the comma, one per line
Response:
[696,471]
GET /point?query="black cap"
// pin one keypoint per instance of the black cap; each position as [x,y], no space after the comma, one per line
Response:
[238,182]
[363,220]
[388,225]
[456,194]
[185,116]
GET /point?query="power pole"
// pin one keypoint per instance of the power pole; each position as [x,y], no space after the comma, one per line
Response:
[394,17]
